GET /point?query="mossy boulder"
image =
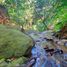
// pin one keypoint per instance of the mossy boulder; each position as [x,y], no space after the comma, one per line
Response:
[13,42]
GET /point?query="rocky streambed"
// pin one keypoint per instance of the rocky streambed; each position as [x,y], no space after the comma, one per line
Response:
[47,52]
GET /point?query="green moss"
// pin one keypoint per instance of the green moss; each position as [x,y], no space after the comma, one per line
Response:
[17,62]
[14,63]
[13,42]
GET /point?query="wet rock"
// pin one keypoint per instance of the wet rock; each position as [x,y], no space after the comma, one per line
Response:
[65,44]
[47,34]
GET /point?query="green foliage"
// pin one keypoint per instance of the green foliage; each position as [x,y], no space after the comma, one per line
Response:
[17,62]
[42,13]
[40,27]
[13,42]
[15,9]
[2,1]
[20,10]
[61,16]
[14,63]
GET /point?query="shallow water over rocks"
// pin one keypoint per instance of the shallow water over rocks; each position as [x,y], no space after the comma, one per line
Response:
[40,58]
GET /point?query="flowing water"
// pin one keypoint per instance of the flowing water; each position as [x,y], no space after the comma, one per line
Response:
[43,59]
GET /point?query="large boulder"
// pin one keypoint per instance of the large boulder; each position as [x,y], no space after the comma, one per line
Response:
[13,42]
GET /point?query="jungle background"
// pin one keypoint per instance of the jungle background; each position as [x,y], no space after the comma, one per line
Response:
[18,18]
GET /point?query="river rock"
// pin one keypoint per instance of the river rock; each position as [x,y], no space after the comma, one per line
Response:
[13,43]
[47,34]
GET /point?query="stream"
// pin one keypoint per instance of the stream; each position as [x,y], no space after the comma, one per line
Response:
[41,58]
